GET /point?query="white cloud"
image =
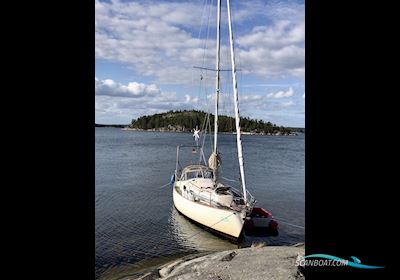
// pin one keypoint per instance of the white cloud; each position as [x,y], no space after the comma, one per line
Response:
[160,40]
[288,104]
[274,51]
[190,99]
[255,105]
[120,103]
[251,98]
[281,94]
[281,34]
[304,95]
[116,102]
[134,90]
[149,37]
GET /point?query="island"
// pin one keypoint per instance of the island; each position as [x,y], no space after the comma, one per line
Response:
[110,125]
[186,120]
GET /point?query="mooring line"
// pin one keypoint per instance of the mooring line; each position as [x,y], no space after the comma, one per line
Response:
[229,179]
[290,224]
[165,185]
[202,230]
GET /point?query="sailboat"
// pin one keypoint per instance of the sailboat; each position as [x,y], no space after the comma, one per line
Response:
[198,192]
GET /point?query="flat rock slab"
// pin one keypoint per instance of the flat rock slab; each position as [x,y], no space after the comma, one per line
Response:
[271,262]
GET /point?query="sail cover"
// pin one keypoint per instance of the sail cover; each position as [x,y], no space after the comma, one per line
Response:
[214,161]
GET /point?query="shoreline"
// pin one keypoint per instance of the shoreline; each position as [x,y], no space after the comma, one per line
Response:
[230,133]
[256,262]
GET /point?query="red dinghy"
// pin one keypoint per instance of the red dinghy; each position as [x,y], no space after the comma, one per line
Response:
[260,220]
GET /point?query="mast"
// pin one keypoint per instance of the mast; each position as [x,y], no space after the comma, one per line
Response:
[217,78]
[236,101]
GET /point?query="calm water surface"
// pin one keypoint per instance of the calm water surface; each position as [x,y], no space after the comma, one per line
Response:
[136,222]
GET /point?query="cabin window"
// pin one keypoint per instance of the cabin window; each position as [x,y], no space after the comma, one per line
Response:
[192,175]
[198,174]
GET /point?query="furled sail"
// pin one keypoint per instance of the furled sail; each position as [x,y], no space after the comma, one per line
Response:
[214,161]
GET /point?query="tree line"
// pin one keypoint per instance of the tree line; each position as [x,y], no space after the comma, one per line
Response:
[187,120]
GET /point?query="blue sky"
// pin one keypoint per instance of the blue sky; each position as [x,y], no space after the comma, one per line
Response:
[146,50]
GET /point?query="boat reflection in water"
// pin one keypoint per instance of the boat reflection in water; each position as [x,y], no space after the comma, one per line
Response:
[190,235]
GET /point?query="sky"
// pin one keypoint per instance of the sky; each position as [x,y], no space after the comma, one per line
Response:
[146,52]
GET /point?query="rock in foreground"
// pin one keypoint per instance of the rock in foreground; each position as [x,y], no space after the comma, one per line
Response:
[274,262]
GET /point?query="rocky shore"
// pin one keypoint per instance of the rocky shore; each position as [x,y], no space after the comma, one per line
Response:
[189,131]
[256,263]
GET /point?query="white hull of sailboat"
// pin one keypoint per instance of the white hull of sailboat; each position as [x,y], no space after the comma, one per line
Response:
[228,222]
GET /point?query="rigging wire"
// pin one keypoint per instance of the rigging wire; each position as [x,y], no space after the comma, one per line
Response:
[198,38]
[205,4]
[204,74]
[211,138]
